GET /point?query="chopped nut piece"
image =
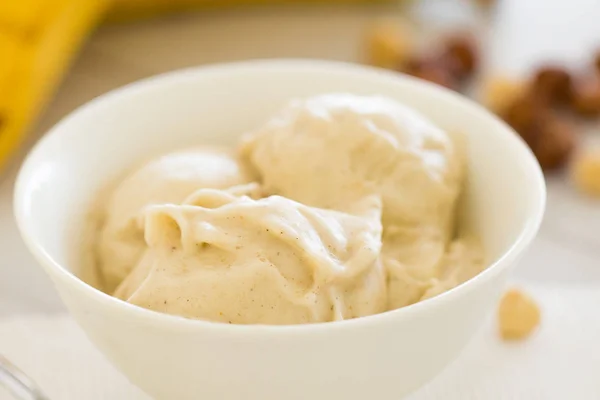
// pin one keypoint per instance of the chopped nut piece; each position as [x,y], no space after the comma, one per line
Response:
[554,143]
[518,315]
[500,92]
[550,137]
[585,172]
[460,51]
[526,114]
[553,84]
[389,44]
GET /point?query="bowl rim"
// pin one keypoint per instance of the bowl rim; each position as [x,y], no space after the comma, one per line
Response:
[178,323]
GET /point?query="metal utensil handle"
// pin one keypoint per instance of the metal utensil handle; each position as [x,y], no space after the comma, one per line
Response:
[17,383]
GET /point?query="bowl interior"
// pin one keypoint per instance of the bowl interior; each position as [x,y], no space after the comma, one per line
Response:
[214,105]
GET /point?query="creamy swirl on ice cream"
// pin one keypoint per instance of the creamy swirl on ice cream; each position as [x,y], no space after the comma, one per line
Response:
[167,179]
[272,260]
[340,206]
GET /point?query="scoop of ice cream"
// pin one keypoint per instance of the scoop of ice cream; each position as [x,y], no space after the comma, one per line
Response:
[272,261]
[330,150]
[167,179]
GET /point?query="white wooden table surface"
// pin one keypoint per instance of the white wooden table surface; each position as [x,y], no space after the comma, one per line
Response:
[567,249]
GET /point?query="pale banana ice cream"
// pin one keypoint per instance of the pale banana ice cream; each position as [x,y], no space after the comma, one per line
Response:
[329,150]
[340,206]
[273,261]
[167,179]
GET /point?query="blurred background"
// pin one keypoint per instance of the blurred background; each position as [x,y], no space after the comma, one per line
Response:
[534,62]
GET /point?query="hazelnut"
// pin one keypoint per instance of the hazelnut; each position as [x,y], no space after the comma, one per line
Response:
[586,96]
[388,44]
[553,143]
[525,115]
[553,84]
[460,52]
[518,315]
[499,93]
[432,70]
[585,172]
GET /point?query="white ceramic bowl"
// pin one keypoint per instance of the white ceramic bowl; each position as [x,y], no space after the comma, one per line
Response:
[382,357]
